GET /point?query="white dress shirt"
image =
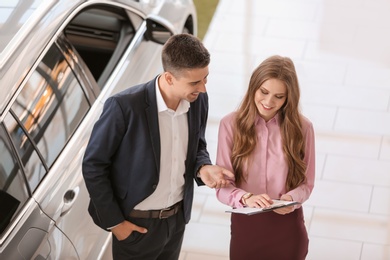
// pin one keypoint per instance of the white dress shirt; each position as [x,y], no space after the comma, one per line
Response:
[173,126]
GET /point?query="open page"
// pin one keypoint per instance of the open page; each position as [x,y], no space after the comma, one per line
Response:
[275,205]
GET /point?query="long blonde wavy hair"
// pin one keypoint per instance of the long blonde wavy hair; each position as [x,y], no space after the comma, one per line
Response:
[245,138]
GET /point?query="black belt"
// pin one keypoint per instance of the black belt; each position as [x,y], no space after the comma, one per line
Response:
[160,213]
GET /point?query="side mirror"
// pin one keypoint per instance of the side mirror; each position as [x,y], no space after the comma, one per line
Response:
[158,29]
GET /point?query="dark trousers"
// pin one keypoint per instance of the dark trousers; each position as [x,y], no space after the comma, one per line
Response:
[162,241]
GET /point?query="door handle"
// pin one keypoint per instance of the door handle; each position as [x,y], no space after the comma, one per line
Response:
[69,199]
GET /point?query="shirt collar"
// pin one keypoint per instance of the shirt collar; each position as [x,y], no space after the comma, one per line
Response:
[182,108]
[274,120]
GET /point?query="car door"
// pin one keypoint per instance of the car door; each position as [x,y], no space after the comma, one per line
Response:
[49,111]
[26,232]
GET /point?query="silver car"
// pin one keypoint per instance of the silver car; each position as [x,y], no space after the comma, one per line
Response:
[59,62]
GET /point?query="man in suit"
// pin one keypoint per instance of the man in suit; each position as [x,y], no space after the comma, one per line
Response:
[145,151]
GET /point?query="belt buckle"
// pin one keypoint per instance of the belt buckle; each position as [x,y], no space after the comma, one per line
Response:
[160,216]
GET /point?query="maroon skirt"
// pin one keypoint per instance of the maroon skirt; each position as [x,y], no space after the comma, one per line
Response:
[269,236]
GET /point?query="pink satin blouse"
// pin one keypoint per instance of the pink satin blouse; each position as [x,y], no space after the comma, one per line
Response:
[268,171]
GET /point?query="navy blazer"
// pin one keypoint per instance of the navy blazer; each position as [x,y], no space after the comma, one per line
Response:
[121,164]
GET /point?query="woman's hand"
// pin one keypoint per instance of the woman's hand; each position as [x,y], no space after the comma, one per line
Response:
[285,210]
[259,201]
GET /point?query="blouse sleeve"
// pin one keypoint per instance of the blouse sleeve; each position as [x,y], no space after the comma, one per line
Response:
[230,195]
[303,191]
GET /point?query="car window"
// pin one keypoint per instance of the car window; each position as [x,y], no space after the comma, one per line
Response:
[13,191]
[48,110]
[100,34]
[34,168]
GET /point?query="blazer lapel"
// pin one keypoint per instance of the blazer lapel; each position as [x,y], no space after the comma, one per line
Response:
[152,118]
[193,127]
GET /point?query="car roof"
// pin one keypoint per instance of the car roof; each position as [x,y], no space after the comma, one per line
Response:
[13,16]
[26,28]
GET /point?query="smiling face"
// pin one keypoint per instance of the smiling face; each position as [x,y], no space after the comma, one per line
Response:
[270,97]
[185,62]
[187,85]
[190,84]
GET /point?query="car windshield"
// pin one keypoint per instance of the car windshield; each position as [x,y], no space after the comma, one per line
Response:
[13,17]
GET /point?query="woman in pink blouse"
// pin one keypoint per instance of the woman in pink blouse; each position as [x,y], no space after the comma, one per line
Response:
[269,146]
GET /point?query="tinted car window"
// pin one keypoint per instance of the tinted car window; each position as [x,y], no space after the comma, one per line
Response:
[101,34]
[32,164]
[49,108]
[13,192]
